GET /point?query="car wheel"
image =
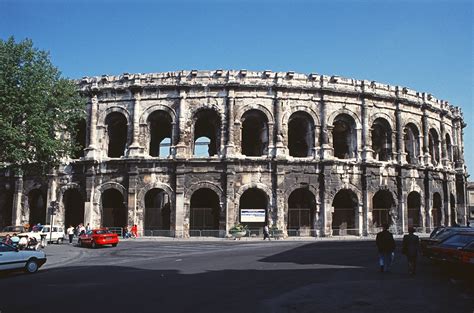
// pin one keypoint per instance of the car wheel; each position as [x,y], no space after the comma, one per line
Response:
[60,241]
[31,266]
[114,245]
[93,244]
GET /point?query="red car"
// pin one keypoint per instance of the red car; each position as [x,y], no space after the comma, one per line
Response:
[98,237]
[457,249]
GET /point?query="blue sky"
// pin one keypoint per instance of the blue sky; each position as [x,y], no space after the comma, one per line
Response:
[424,45]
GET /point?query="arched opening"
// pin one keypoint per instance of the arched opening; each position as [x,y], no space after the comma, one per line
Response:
[452,199]
[382,202]
[114,211]
[436,211]
[208,126]
[159,124]
[37,205]
[157,213]
[433,146]
[412,145]
[413,208]
[73,207]
[344,215]
[449,148]
[80,138]
[254,133]
[301,211]
[382,140]
[253,209]
[300,135]
[117,134]
[205,213]
[6,207]
[344,137]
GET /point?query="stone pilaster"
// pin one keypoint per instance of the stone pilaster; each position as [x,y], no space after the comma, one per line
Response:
[280,150]
[91,151]
[135,150]
[181,148]
[326,149]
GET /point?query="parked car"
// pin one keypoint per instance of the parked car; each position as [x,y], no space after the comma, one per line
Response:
[10,230]
[44,233]
[12,258]
[456,249]
[439,234]
[98,237]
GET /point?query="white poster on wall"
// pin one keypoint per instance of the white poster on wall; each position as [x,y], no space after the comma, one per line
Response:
[252,215]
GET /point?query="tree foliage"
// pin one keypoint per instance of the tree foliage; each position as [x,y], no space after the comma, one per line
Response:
[39,110]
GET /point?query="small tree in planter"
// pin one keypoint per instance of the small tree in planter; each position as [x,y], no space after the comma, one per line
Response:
[238,231]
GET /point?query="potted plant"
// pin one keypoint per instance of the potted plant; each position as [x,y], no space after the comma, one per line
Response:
[238,231]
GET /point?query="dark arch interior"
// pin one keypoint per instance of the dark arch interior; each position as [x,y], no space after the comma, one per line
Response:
[254,198]
[159,123]
[80,138]
[449,148]
[74,207]
[433,146]
[411,144]
[205,210]
[37,205]
[254,133]
[343,219]
[6,207]
[300,135]
[301,210]
[117,133]
[382,203]
[208,125]
[453,209]
[157,210]
[114,210]
[414,205]
[436,209]
[343,134]
[382,140]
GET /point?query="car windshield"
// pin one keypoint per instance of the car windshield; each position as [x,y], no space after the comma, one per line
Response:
[458,240]
[103,231]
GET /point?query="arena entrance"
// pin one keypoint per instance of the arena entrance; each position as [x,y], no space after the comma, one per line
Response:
[436,211]
[73,207]
[114,212]
[6,208]
[37,206]
[301,213]
[253,210]
[343,218]
[157,213]
[413,208]
[382,202]
[205,214]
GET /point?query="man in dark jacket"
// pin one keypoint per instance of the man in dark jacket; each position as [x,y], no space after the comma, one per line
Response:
[386,247]
[411,243]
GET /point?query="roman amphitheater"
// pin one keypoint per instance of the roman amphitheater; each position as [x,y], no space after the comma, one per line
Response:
[192,153]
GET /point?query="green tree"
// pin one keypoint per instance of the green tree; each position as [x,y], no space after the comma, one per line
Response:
[39,110]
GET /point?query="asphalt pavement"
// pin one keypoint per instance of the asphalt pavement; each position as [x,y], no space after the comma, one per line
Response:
[232,276]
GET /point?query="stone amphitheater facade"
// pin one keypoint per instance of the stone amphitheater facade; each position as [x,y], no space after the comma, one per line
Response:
[184,153]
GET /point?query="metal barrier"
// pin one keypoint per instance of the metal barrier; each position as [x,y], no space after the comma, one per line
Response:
[346,232]
[303,232]
[207,233]
[159,233]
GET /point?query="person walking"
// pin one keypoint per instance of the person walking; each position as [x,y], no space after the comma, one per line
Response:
[386,247]
[266,233]
[70,233]
[135,231]
[410,246]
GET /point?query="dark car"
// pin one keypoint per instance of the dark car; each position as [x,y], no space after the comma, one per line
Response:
[457,249]
[439,234]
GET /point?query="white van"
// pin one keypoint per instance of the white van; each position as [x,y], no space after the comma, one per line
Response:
[44,233]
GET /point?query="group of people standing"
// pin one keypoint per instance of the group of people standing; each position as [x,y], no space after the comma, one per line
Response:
[133,233]
[77,231]
[23,242]
[386,248]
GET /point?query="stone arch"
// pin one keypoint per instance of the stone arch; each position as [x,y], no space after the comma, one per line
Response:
[338,112]
[260,186]
[204,184]
[300,134]
[390,205]
[72,218]
[345,211]
[209,127]
[381,138]
[157,107]
[300,108]
[411,120]
[103,115]
[376,115]
[255,106]
[154,185]
[344,136]
[109,185]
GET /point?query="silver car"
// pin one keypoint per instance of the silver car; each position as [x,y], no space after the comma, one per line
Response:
[12,258]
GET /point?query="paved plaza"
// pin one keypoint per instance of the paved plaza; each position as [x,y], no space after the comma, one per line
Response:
[231,276]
